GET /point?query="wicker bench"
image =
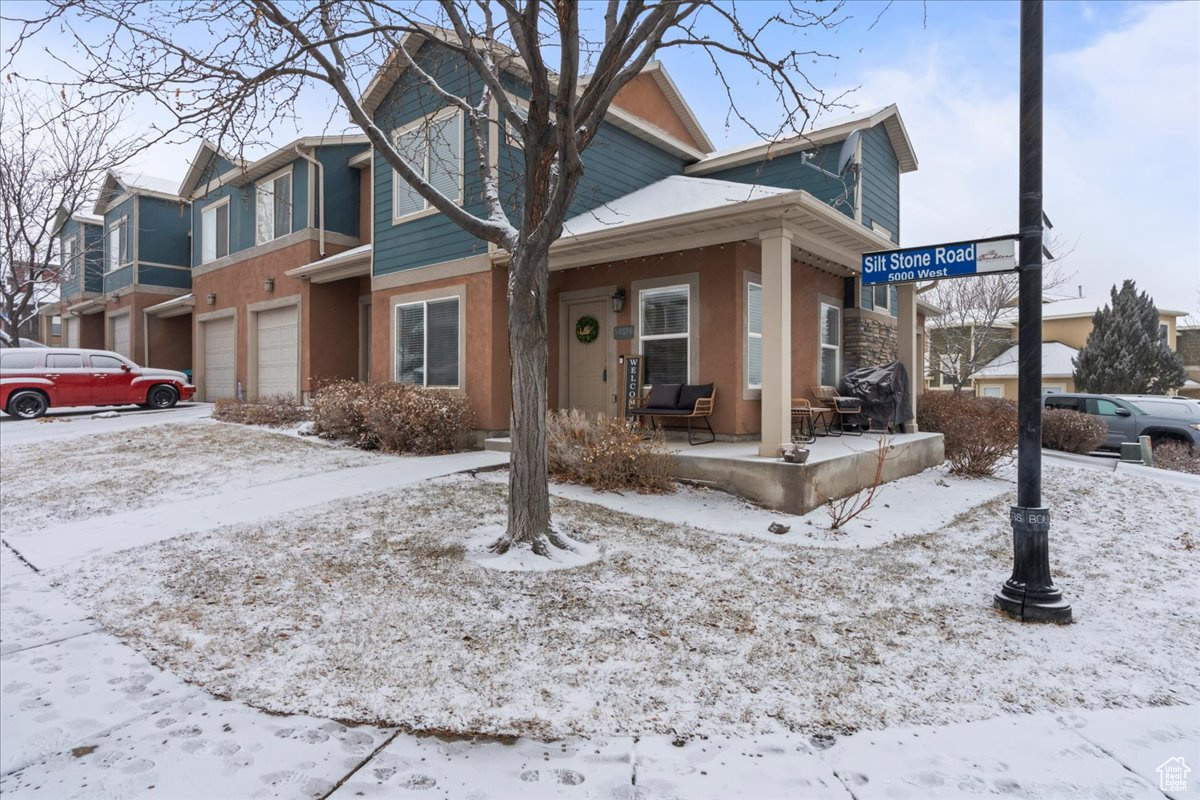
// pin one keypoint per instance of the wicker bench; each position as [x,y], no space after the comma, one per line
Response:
[679,401]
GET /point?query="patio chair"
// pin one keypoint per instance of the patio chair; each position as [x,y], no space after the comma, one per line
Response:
[847,411]
[804,420]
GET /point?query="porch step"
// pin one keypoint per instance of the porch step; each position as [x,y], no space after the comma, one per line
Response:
[499,444]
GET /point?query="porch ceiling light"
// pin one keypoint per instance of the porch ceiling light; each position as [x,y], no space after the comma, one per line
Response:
[212,298]
[618,300]
[269,285]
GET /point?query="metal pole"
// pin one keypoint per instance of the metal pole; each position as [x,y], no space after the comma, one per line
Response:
[1030,594]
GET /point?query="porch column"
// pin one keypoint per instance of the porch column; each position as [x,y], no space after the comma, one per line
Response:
[777,340]
[906,351]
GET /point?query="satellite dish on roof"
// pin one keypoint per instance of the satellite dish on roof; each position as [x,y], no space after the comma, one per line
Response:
[849,149]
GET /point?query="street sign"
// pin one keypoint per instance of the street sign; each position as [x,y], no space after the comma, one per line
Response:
[953,260]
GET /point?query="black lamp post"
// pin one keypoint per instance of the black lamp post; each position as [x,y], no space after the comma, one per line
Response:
[1030,594]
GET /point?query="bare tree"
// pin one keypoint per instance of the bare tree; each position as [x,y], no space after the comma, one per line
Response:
[52,152]
[220,65]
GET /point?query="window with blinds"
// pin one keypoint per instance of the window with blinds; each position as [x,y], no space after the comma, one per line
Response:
[427,335]
[664,334]
[273,208]
[831,344]
[754,333]
[434,148]
[118,244]
[214,232]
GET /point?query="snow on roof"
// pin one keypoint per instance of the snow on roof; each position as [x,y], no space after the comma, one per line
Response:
[1056,362]
[140,180]
[672,196]
[1086,306]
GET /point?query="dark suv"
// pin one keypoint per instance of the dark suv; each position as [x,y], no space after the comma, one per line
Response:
[1126,420]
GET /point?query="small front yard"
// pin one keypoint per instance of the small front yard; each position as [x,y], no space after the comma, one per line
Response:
[371,610]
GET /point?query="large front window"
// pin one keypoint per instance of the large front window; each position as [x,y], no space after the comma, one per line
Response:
[754,333]
[434,148]
[427,338]
[831,344]
[118,241]
[273,208]
[214,232]
[664,331]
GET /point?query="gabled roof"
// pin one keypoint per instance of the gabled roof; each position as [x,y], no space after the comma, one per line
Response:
[1087,306]
[280,157]
[120,183]
[62,215]
[205,153]
[1056,362]
[888,116]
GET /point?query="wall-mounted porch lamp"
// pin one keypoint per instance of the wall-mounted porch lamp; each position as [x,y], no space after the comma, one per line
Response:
[618,300]
[212,298]
[269,285]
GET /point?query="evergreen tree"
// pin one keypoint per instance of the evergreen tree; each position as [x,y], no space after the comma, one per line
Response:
[1125,353]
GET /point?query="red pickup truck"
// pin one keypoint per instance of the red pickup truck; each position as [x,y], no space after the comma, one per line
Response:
[35,379]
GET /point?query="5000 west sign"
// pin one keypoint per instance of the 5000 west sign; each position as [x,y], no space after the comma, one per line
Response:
[955,260]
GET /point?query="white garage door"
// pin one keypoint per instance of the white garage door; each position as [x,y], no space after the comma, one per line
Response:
[71,331]
[120,335]
[219,348]
[277,351]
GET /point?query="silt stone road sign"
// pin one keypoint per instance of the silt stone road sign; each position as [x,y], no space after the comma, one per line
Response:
[937,261]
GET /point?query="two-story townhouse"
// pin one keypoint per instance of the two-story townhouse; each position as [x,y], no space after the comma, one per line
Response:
[144,246]
[734,268]
[81,279]
[281,256]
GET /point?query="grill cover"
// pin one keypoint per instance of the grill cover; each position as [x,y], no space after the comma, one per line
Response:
[883,391]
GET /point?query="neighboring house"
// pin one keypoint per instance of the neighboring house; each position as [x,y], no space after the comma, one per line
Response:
[81,253]
[725,265]
[144,261]
[281,285]
[1187,344]
[998,378]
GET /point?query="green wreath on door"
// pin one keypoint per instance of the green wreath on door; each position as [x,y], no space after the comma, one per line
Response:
[587,330]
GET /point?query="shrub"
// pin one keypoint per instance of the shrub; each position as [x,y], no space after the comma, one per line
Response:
[277,411]
[1071,431]
[605,453]
[393,417]
[979,432]
[1178,456]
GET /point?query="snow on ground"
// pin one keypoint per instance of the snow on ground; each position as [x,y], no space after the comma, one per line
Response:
[120,471]
[369,609]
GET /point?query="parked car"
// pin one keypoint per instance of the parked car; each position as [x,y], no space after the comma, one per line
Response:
[7,342]
[33,380]
[1166,405]
[1127,420]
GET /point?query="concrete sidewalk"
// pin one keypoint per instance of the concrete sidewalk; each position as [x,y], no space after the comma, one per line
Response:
[85,716]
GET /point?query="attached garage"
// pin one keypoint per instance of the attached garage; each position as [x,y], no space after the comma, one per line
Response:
[71,331]
[277,358]
[220,347]
[119,335]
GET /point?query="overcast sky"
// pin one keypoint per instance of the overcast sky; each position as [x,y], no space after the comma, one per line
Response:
[1122,118]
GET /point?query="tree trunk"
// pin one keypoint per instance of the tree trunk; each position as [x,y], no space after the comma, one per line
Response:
[529,493]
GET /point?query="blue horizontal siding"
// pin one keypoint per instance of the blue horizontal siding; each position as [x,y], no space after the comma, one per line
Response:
[118,279]
[881,181]
[162,231]
[164,276]
[341,188]
[790,172]
[93,275]
[87,273]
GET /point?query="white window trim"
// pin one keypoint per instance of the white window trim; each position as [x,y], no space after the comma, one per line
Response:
[750,334]
[1056,388]
[822,305]
[424,299]
[643,293]
[224,201]
[108,265]
[425,121]
[274,176]
[984,387]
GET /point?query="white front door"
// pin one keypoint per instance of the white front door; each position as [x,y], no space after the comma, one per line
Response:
[120,335]
[220,347]
[278,351]
[587,362]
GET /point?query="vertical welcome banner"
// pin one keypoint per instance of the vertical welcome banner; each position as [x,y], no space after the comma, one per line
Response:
[633,382]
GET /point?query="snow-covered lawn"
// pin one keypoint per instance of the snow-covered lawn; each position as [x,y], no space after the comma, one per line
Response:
[89,476]
[370,610]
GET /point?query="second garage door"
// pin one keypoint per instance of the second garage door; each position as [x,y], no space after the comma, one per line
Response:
[278,355]
[120,335]
[219,347]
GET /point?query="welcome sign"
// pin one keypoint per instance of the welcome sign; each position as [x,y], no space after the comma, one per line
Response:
[953,260]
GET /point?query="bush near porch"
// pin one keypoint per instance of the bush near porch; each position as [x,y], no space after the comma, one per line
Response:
[606,454]
[979,432]
[393,417]
[1072,432]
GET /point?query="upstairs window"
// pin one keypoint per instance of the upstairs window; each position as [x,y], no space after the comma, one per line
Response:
[665,338]
[116,248]
[214,232]
[272,209]
[433,146]
[70,249]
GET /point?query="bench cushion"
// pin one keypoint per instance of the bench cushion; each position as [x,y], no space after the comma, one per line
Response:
[662,412]
[690,393]
[664,395]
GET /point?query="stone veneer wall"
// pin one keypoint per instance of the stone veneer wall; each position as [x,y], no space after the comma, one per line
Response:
[870,339]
